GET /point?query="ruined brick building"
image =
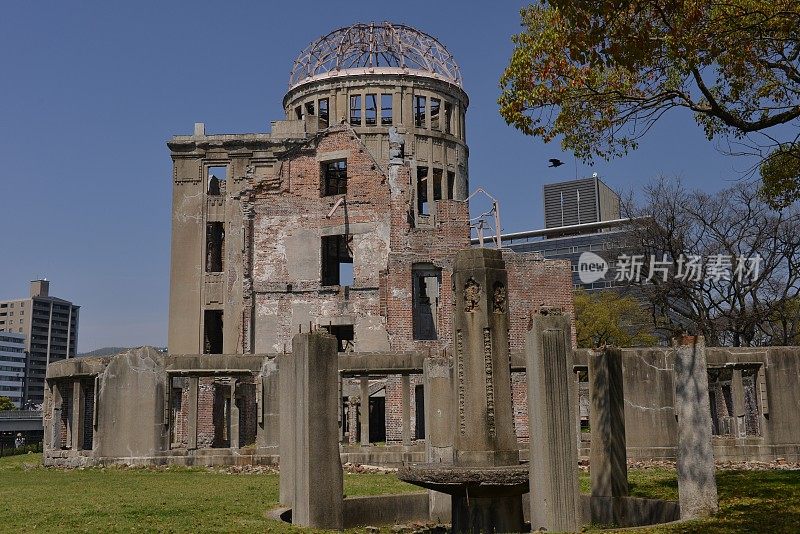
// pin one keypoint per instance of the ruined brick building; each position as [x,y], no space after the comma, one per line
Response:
[346,216]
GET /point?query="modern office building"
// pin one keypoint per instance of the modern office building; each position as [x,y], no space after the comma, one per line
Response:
[580,216]
[12,366]
[50,327]
[576,202]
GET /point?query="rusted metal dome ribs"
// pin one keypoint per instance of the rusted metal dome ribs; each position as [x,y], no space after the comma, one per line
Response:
[375,47]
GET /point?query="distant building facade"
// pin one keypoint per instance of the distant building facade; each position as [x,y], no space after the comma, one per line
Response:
[580,216]
[50,327]
[12,366]
[574,202]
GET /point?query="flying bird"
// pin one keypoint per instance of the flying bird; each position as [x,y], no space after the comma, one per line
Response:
[555,162]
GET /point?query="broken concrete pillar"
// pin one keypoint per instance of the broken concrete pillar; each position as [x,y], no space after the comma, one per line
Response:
[405,408]
[697,487]
[234,418]
[269,409]
[608,465]
[363,410]
[287,393]
[317,466]
[554,498]
[437,375]
[191,413]
[77,415]
[608,460]
[352,419]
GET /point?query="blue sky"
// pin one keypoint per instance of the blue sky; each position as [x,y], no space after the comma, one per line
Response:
[91,91]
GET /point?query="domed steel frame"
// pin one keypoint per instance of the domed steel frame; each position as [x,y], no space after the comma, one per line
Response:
[375,47]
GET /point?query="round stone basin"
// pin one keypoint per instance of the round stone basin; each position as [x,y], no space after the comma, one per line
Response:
[467,481]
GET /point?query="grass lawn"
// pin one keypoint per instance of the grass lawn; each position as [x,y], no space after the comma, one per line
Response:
[142,500]
[193,500]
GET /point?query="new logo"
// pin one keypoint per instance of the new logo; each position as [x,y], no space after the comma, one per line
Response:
[591,267]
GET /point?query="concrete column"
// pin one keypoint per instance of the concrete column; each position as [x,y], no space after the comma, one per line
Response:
[55,422]
[77,415]
[234,415]
[270,400]
[364,411]
[608,458]
[340,406]
[405,401]
[697,488]
[288,401]
[352,420]
[317,466]
[437,375]
[554,500]
[191,413]
[737,392]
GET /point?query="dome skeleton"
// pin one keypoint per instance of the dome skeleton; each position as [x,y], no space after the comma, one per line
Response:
[367,46]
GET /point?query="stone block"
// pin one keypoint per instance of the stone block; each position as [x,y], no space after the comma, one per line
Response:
[697,487]
[554,497]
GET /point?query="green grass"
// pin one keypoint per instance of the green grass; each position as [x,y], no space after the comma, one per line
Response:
[141,500]
[191,500]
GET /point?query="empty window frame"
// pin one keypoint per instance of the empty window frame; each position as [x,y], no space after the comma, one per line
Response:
[216,177]
[451,184]
[298,112]
[344,334]
[386,109]
[371,109]
[310,108]
[426,280]
[355,110]
[422,191]
[336,258]
[334,177]
[436,105]
[751,425]
[212,332]
[215,246]
[437,184]
[720,394]
[324,112]
[448,117]
[420,102]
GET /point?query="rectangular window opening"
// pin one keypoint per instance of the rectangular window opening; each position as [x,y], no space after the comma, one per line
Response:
[419,111]
[721,401]
[337,261]
[371,111]
[355,110]
[422,190]
[215,180]
[215,246]
[322,106]
[419,407]
[212,332]
[426,281]
[298,112]
[435,105]
[386,109]
[448,117]
[334,177]
[451,184]
[344,334]
[310,108]
[437,184]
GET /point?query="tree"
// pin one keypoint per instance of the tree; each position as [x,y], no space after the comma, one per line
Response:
[599,75]
[728,265]
[6,404]
[609,318]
